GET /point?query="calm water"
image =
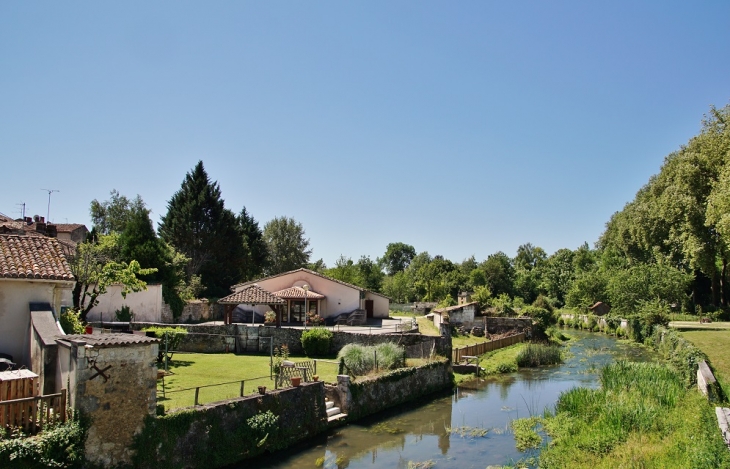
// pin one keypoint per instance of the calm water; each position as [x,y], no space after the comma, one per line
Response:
[418,433]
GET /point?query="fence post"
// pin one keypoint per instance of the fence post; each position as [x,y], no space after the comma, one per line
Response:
[315,367]
[242,381]
[375,359]
[405,356]
[166,359]
[342,366]
[197,390]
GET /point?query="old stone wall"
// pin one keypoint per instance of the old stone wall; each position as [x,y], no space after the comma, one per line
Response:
[495,325]
[367,396]
[218,434]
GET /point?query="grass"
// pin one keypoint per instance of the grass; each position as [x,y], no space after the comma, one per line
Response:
[503,360]
[194,369]
[642,416]
[698,325]
[716,345]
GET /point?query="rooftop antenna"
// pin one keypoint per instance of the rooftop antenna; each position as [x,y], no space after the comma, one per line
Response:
[48,214]
[22,209]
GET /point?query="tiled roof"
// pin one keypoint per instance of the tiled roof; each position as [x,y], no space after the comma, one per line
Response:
[309,272]
[33,257]
[105,340]
[296,293]
[68,227]
[252,295]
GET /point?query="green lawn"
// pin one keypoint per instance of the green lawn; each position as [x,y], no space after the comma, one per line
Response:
[426,327]
[716,344]
[193,369]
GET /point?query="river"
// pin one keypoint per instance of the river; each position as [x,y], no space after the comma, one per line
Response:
[464,428]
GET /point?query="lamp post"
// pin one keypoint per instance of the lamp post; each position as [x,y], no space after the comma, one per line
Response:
[306,312]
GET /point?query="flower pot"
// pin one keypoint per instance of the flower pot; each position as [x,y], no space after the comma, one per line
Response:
[262,389]
[296,381]
[315,378]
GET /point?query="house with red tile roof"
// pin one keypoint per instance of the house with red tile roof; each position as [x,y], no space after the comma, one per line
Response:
[34,275]
[325,296]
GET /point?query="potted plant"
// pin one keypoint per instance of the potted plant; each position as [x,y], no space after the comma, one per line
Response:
[269,317]
[262,389]
[315,378]
[296,381]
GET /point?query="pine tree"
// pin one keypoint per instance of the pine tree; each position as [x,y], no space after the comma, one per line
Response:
[198,225]
[256,251]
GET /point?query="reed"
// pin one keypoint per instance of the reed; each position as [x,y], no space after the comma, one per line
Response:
[538,354]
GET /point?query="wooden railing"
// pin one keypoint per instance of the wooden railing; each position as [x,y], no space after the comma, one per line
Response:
[484,347]
[31,413]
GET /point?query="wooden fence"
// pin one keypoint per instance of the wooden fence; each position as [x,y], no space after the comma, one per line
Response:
[484,347]
[32,413]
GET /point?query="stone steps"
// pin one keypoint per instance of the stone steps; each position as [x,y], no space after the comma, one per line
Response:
[333,413]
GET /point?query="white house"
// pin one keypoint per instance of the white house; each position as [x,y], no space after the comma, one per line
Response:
[325,296]
[33,269]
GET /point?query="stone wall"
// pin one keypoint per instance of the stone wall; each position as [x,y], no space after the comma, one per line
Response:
[495,325]
[367,396]
[114,387]
[218,435]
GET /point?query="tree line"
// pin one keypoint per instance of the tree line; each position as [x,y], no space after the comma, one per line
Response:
[668,247]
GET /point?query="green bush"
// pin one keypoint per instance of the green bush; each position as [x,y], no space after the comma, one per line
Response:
[58,446]
[682,354]
[174,337]
[71,322]
[316,341]
[123,314]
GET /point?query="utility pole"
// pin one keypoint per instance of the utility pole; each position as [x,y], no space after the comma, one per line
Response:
[48,214]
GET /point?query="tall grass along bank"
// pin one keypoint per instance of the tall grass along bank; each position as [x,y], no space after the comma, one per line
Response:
[643,415]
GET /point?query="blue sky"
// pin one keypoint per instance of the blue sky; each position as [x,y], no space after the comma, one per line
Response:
[462,128]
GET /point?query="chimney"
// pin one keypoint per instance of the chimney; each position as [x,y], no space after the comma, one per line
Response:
[28,221]
[51,230]
[40,227]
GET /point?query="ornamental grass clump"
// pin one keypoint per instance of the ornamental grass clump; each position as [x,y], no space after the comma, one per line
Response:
[538,354]
[362,359]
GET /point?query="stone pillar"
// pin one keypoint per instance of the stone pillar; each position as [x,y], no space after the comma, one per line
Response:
[343,389]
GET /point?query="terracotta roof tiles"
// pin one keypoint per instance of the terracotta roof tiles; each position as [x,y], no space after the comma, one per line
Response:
[251,295]
[33,257]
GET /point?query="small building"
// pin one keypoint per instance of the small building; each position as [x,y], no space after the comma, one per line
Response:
[462,314]
[600,308]
[325,296]
[33,270]
[424,307]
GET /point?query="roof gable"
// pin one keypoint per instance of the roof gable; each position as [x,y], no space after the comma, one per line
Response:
[311,272]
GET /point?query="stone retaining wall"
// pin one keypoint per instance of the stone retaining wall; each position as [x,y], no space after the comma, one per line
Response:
[218,435]
[367,396]
[495,325]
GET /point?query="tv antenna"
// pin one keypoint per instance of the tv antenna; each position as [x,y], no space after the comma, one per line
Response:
[48,214]
[22,210]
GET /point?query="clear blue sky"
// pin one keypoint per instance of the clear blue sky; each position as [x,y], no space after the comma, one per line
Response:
[458,127]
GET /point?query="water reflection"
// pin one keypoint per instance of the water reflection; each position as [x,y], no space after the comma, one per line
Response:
[449,429]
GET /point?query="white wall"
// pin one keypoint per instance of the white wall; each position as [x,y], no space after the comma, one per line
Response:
[381,305]
[146,304]
[339,298]
[15,312]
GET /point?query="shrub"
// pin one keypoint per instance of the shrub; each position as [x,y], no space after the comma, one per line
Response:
[506,367]
[174,337]
[71,323]
[269,317]
[124,314]
[316,341]
[60,446]
[541,319]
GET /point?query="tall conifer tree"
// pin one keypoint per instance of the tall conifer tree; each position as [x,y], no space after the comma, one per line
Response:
[198,225]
